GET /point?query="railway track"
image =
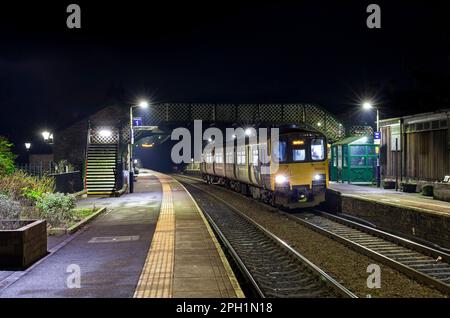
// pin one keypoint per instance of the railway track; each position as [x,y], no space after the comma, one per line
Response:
[422,263]
[270,266]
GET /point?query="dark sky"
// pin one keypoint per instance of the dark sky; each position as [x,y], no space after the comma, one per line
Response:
[303,51]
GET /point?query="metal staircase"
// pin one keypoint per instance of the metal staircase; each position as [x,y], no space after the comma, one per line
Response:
[101,163]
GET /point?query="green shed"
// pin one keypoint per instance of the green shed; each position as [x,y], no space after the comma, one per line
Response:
[353,160]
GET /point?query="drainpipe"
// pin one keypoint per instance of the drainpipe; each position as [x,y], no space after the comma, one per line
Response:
[402,150]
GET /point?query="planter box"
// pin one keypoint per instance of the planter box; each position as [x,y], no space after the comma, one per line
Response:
[389,185]
[22,243]
[409,187]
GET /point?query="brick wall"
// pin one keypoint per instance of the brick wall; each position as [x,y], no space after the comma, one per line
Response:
[70,143]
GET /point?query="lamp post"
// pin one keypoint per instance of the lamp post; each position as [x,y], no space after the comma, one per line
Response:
[369,106]
[142,104]
[48,137]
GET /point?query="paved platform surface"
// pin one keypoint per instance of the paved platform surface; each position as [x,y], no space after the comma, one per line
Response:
[398,198]
[152,243]
[184,260]
[110,252]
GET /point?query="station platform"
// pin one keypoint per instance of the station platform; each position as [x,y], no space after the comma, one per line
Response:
[410,215]
[392,197]
[185,260]
[154,242]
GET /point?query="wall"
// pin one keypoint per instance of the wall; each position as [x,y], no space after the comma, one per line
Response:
[425,155]
[70,143]
[408,222]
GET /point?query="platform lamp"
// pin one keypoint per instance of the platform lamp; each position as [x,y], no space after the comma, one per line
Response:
[141,104]
[48,137]
[369,106]
[27,146]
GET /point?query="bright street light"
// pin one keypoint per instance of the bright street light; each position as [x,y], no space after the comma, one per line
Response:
[105,133]
[27,145]
[367,106]
[46,135]
[143,104]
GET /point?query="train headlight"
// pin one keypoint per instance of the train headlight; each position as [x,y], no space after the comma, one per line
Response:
[281,179]
[318,177]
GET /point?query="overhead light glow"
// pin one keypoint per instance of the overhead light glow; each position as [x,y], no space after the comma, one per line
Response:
[248,131]
[27,145]
[367,105]
[147,145]
[298,142]
[46,135]
[143,104]
[105,133]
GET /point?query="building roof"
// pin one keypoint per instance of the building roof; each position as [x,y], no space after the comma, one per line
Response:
[350,140]
[422,117]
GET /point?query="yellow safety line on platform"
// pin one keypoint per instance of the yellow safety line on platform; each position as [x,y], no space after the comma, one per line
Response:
[233,280]
[156,279]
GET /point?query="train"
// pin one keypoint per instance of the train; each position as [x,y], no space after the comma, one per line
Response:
[300,181]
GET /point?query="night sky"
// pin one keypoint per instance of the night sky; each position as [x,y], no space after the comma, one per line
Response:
[211,51]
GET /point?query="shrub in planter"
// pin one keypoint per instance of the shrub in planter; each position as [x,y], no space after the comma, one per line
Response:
[9,209]
[427,190]
[56,208]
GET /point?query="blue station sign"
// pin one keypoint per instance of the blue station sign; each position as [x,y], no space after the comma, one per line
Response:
[137,121]
[377,138]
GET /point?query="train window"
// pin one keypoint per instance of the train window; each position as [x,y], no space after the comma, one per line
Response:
[263,154]
[255,155]
[229,155]
[298,154]
[209,157]
[317,149]
[219,155]
[281,151]
[240,156]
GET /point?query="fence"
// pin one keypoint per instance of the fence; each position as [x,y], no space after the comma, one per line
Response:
[38,169]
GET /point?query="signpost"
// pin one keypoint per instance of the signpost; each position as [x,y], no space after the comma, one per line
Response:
[377,142]
[137,121]
[377,138]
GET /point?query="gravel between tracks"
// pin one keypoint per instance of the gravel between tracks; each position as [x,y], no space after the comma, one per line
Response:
[345,265]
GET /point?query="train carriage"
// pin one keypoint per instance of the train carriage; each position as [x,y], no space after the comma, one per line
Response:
[299,180]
